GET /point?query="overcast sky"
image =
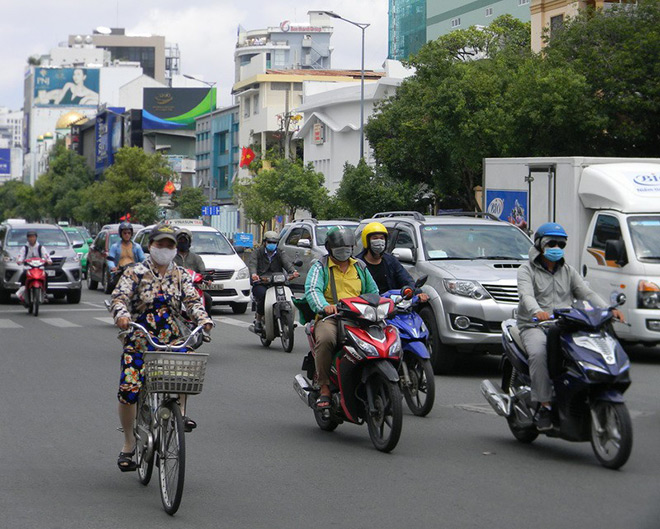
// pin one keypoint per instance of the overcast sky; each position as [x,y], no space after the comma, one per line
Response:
[204,29]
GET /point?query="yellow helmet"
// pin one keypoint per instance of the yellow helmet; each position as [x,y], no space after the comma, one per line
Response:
[370,229]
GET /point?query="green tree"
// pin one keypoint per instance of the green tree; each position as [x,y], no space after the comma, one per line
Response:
[257,204]
[189,201]
[19,200]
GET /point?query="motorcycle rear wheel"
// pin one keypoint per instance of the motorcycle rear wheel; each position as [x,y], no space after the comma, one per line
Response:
[288,329]
[386,423]
[613,443]
[326,424]
[524,435]
[420,395]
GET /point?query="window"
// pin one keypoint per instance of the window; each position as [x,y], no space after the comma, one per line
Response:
[246,107]
[404,239]
[523,2]
[255,104]
[607,229]
[556,23]
[489,11]
[456,22]
[294,237]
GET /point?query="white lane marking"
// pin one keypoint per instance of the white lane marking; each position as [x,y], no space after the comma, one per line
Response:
[232,321]
[59,322]
[106,319]
[8,324]
[51,308]
[95,305]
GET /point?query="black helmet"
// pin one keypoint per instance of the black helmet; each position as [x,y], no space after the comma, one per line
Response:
[125,226]
[339,236]
[184,232]
[31,232]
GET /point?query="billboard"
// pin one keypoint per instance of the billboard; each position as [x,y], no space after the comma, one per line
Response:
[5,161]
[508,205]
[108,136]
[71,87]
[175,108]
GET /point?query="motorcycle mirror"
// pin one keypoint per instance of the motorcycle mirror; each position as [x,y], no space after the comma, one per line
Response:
[421,281]
[407,293]
[621,299]
[298,262]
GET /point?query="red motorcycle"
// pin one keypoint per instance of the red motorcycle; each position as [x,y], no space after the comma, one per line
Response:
[35,284]
[364,376]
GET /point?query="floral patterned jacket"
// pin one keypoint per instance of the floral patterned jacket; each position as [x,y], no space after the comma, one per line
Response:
[140,284]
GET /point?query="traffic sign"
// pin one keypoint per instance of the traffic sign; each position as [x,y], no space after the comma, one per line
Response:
[210,210]
[244,239]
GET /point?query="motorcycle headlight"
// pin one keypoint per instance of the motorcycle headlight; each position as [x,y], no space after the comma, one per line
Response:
[243,273]
[468,289]
[365,347]
[395,348]
[592,367]
[368,312]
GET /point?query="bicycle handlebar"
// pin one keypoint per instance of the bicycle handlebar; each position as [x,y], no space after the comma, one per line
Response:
[168,347]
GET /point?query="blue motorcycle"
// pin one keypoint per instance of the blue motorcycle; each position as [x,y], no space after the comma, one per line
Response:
[590,372]
[415,371]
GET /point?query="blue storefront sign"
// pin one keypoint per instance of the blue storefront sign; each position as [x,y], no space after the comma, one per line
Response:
[244,239]
[508,205]
[210,210]
[5,161]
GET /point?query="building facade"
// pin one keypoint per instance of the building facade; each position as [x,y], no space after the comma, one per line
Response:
[407,28]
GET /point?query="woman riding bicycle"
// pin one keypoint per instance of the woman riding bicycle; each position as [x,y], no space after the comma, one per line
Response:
[151,293]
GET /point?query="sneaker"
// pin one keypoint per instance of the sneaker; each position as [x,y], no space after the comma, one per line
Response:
[543,419]
[258,326]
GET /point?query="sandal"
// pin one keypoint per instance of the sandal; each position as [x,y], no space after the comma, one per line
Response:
[188,424]
[323,402]
[125,461]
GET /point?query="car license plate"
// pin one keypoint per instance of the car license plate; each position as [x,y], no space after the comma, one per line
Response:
[50,273]
[215,286]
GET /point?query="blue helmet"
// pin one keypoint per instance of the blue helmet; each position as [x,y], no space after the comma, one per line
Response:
[549,229]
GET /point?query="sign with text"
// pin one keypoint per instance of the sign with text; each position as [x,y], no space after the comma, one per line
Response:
[5,161]
[71,87]
[509,205]
[244,239]
[210,210]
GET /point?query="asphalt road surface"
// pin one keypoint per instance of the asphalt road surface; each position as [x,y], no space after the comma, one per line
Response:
[258,460]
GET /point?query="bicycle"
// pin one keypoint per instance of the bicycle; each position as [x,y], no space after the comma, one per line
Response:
[159,428]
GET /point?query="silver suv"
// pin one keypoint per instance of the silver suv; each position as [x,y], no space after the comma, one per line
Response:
[305,240]
[471,262]
[64,275]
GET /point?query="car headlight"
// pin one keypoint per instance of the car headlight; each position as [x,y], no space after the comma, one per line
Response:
[468,289]
[648,295]
[243,273]
[76,257]
[8,259]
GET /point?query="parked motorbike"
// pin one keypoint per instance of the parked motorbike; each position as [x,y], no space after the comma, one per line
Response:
[415,371]
[590,373]
[364,379]
[279,313]
[35,284]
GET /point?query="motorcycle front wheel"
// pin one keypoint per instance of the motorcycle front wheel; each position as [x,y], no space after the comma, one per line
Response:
[420,394]
[385,421]
[287,330]
[611,433]
[35,298]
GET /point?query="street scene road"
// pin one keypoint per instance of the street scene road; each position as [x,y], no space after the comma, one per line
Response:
[258,459]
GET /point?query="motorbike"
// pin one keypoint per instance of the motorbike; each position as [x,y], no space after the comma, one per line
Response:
[416,377]
[279,313]
[364,380]
[35,284]
[590,372]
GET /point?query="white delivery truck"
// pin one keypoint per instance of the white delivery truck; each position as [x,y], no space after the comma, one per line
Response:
[610,208]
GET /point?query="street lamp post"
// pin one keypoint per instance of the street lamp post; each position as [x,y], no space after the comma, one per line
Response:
[362,26]
[210,168]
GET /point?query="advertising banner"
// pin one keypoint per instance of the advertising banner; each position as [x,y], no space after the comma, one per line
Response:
[5,161]
[508,205]
[71,87]
[175,108]
[109,130]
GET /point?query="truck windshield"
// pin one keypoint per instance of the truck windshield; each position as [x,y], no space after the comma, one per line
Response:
[322,232]
[645,234]
[503,241]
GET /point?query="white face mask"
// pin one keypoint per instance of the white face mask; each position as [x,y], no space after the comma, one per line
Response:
[162,256]
[377,246]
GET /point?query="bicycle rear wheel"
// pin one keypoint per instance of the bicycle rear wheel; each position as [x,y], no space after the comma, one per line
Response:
[172,459]
[144,454]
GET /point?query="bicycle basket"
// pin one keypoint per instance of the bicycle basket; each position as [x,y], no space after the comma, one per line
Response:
[181,373]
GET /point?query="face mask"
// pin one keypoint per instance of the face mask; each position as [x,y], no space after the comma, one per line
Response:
[162,256]
[342,253]
[377,246]
[553,254]
[271,246]
[183,245]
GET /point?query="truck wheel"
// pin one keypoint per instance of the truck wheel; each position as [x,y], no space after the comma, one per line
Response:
[443,357]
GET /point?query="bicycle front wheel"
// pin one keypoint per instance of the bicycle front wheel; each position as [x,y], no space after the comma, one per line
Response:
[144,453]
[172,458]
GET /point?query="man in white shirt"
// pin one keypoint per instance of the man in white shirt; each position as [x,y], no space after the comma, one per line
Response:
[30,250]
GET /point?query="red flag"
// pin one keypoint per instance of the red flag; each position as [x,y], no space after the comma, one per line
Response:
[126,217]
[247,157]
[169,188]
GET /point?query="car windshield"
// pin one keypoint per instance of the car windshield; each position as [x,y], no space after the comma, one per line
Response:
[75,237]
[46,237]
[645,235]
[210,242]
[475,242]
[322,232]
[114,237]
[84,232]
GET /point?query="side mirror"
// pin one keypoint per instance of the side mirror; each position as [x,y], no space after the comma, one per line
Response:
[298,262]
[304,243]
[405,255]
[421,281]
[90,241]
[78,245]
[52,252]
[239,249]
[615,250]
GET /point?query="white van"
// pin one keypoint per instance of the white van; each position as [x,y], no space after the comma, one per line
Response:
[231,278]
[610,208]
